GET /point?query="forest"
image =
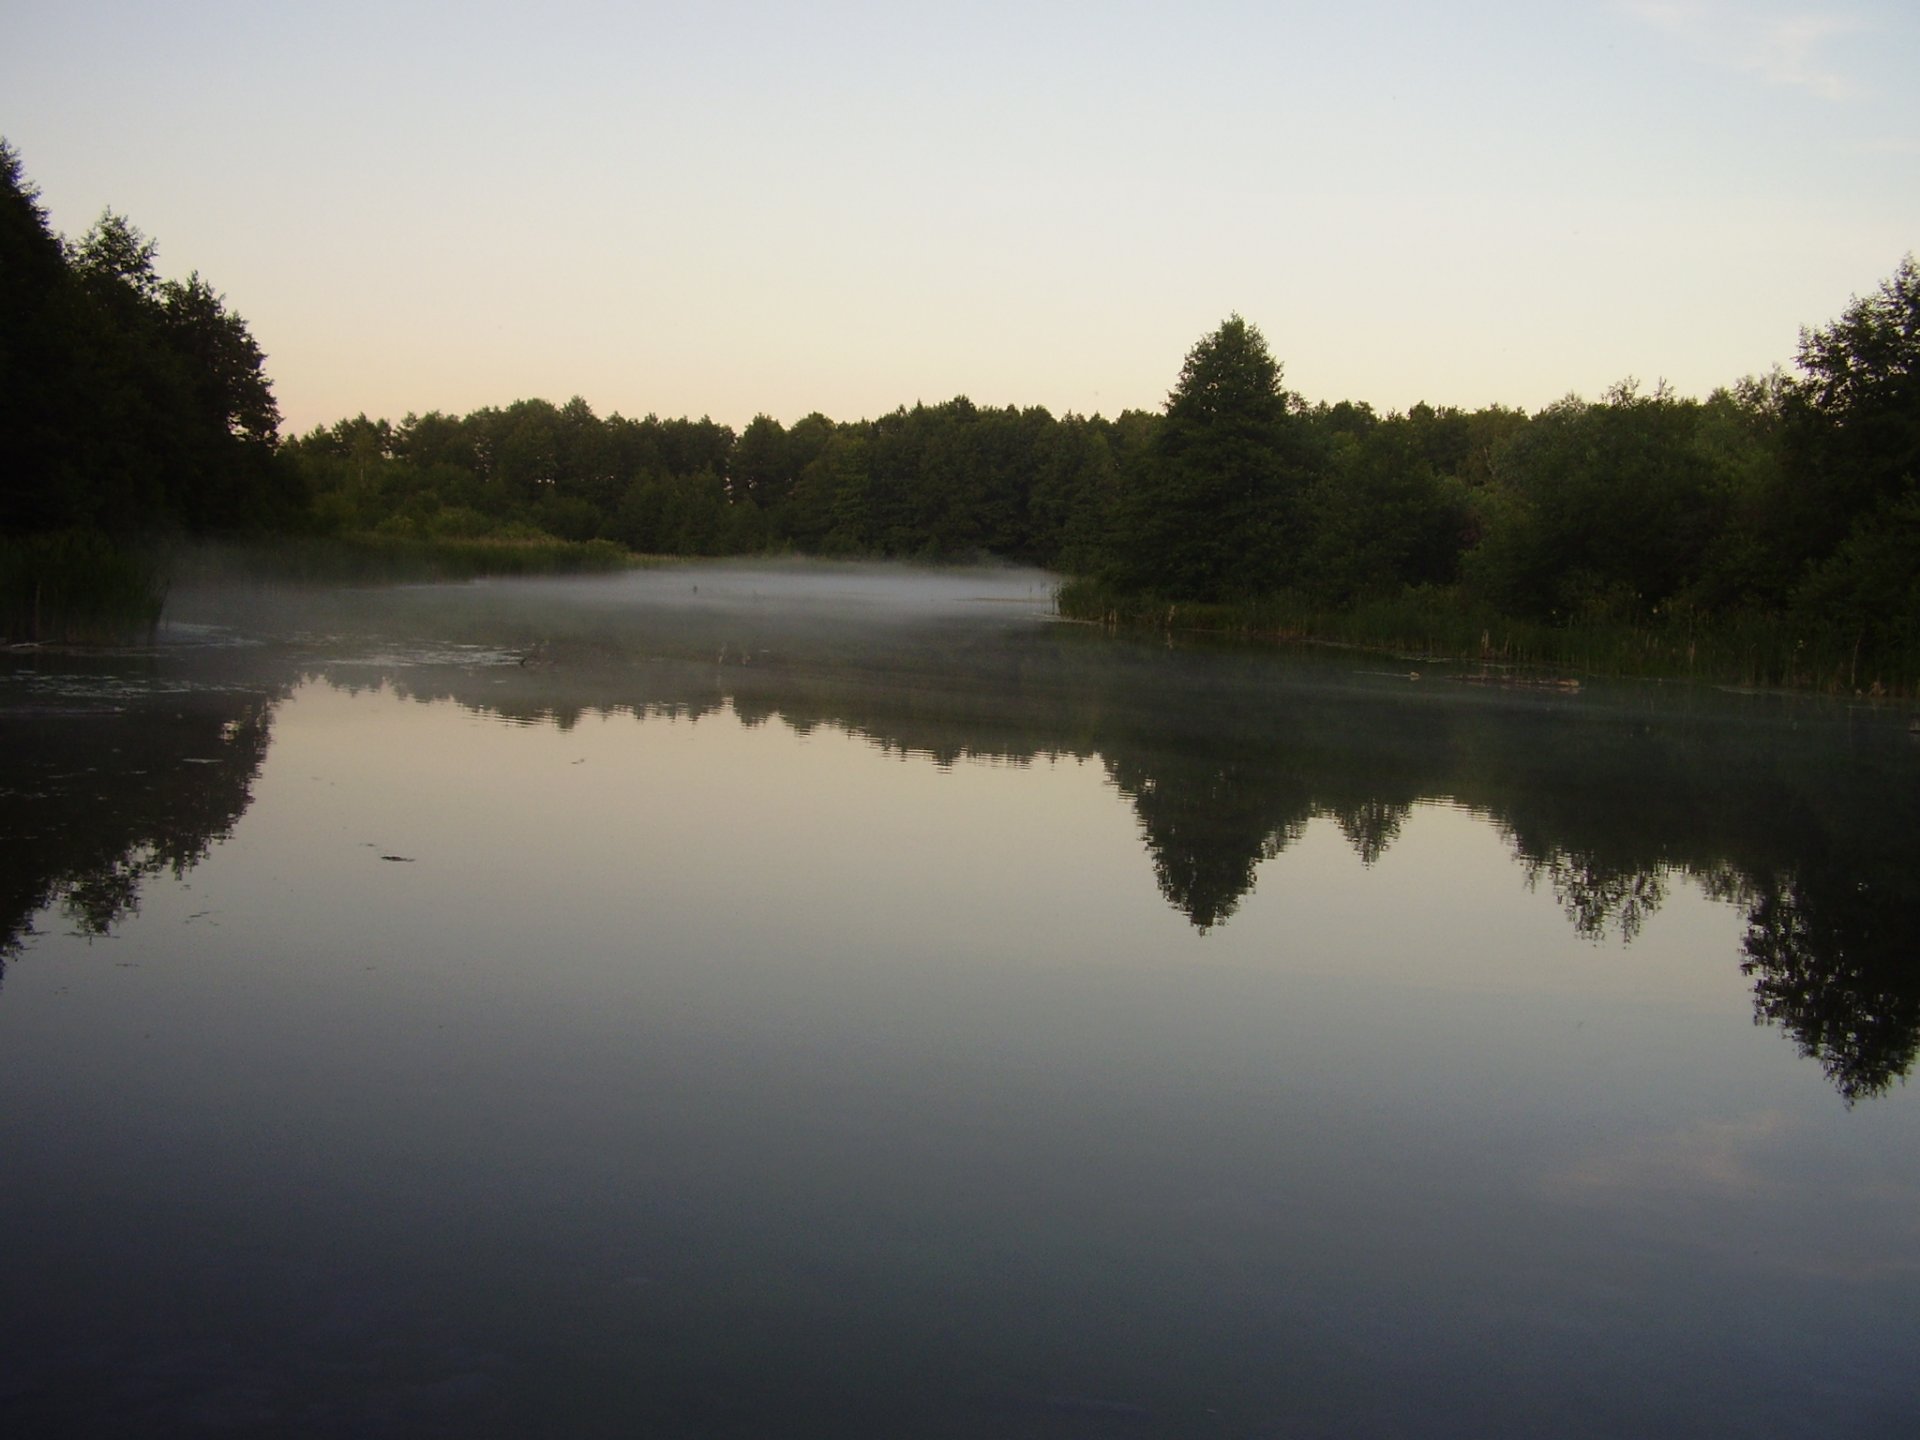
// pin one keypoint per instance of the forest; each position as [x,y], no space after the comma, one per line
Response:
[1768,534]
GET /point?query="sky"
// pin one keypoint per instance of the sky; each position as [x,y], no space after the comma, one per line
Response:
[728,209]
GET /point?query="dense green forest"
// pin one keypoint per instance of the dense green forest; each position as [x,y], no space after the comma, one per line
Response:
[131,407]
[1770,532]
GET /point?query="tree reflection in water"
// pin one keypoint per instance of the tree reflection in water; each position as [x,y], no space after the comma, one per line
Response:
[109,784]
[1597,898]
[1225,759]
[1830,951]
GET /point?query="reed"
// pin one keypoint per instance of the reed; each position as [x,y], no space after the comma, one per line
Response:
[78,587]
[1753,649]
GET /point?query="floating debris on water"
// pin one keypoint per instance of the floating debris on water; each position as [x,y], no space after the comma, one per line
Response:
[1522,682]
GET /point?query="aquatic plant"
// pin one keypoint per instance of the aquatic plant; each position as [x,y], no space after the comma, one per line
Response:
[78,586]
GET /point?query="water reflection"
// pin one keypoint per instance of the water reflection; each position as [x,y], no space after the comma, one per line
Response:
[1830,949]
[1801,816]
[112,773]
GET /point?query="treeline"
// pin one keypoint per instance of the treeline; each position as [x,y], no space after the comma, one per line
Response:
[942,482]
[1770,532]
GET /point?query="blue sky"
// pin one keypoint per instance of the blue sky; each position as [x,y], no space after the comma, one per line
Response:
[736,208]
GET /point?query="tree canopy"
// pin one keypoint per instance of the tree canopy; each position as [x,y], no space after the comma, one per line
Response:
[129,403]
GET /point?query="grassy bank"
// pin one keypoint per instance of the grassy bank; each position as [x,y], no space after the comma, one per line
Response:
[78,587]
[369,559]
[1761,651]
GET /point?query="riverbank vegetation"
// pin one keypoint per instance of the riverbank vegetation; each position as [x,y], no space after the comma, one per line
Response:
[1767,535]
[78,585]
[362,559]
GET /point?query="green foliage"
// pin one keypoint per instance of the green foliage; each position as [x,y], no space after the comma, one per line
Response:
[1380,518]
[1865,596]
[1854,447]
[1739,435]
[77,585]
[1212,507]
[389,558]
[41,317]
[129,404]
[763,468]
[1760,649]
[1074,491]
[1602,511]
[1863,370]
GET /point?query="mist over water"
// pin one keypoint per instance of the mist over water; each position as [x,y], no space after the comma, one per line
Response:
[663,606]
[828,1000]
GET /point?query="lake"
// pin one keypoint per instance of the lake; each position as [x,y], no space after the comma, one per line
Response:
[841,1001]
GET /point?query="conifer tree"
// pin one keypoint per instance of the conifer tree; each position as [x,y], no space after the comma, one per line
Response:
[1211,508]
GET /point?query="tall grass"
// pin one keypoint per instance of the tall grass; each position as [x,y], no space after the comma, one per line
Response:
[78,586]
[1759,650]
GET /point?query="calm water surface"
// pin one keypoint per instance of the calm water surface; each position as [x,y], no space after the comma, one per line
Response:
[841,1002]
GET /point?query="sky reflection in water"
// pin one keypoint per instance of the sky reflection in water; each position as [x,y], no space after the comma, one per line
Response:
[940,1025]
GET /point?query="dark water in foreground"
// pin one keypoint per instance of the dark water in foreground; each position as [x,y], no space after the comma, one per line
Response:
[846,1004]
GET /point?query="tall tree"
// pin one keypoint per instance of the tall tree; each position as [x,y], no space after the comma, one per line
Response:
[1854,463]
[1212,508]
[40,403]
[228,420]
[761,468]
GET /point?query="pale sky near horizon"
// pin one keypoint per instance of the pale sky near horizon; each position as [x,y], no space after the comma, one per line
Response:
[732,208]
